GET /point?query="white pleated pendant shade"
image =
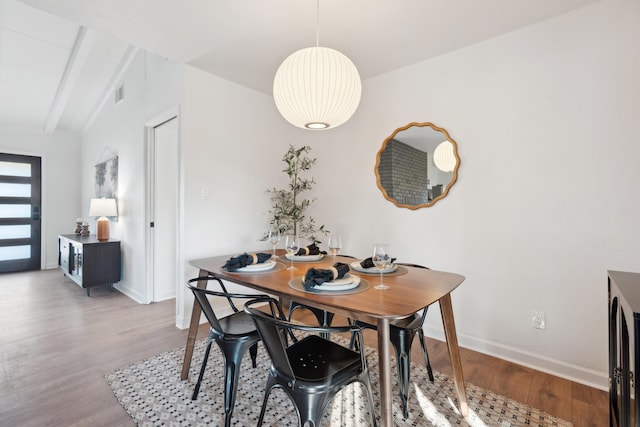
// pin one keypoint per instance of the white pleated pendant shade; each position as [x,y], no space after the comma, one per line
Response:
[317,88]
[444,158]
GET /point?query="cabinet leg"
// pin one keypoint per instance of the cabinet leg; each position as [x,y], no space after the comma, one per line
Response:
[88,292]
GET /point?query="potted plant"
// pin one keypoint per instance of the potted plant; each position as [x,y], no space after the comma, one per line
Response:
[289,206]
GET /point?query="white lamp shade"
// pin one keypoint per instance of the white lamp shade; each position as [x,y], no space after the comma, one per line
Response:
[317,88]
[443,157]
[103,207]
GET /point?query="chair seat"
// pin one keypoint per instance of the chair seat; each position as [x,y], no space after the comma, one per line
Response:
[238,324]
[411,322]
[314,359]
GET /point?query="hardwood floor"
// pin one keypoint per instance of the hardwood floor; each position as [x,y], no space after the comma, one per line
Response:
[580,404]
[56,344]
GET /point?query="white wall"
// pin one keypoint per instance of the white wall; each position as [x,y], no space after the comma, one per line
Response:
[546,119]
[60,153]
[233,143]
[152,87]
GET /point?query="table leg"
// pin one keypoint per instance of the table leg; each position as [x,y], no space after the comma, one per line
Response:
[454,352]
[193,330]
[384,366]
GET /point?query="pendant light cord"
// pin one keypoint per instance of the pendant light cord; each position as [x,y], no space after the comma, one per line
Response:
[317,23]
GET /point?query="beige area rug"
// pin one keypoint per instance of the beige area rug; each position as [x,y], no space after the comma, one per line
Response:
[153,395]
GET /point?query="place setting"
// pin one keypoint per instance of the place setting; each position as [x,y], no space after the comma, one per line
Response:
[252,263]
[379,264]
[334,280]
[297,253]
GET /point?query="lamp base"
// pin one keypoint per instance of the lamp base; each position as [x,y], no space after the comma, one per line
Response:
[103,229]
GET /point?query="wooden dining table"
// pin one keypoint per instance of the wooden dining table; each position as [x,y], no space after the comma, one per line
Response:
[408,293]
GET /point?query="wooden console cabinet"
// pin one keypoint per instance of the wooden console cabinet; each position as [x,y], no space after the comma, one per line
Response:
[624,348]
[89,262]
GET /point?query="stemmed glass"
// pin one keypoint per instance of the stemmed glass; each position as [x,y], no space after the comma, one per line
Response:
[382,260]
[292,244]
[274,239]
[335,244]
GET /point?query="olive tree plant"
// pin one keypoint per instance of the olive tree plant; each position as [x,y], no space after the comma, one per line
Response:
[289,206]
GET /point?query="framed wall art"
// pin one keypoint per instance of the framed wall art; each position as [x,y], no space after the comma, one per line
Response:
[107,179]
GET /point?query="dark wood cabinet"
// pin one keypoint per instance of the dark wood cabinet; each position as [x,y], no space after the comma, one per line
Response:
[624,348]
[89,262]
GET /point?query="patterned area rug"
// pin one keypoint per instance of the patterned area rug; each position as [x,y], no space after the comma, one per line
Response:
[152,394]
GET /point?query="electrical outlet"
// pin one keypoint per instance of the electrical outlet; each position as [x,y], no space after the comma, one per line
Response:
[538,321]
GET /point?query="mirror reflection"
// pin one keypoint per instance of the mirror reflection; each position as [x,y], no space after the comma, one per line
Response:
[417,165]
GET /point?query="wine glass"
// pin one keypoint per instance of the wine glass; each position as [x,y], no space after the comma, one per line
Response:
[274,239]
[292,244]
[335,244]
[382,260]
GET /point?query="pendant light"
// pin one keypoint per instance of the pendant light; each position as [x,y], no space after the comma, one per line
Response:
[443,157]
[317,87]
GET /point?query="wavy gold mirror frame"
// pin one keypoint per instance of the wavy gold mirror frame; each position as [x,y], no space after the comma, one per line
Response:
[406,170]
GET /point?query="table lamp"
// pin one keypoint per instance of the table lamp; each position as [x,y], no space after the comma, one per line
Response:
[103,208]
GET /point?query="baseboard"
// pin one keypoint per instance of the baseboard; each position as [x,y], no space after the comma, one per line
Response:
[181,322]
[171,294]
[589,377]
[134,295]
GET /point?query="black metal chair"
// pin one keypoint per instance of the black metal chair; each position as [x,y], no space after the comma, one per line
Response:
[312,370]
[234,334]
[324,317]
[401,333]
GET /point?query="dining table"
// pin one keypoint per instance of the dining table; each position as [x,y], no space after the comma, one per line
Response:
[410,291]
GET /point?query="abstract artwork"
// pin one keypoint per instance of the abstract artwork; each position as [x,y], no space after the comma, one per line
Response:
[107,179]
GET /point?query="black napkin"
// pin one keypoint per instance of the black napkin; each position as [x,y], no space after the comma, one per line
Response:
[368,263]
[245,259]
[317,276]
[309,250]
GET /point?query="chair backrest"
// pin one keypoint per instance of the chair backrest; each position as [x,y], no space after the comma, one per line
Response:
[424,312]
[273,329]
[408,264]
[202,296]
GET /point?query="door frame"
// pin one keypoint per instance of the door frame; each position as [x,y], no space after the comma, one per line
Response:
[150,125]
[43,203]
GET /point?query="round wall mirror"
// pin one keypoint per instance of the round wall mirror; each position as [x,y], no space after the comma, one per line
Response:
[417,165]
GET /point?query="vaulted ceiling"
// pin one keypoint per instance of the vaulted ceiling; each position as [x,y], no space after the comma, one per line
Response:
[61,59]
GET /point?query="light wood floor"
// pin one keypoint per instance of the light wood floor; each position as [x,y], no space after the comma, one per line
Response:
[56,344]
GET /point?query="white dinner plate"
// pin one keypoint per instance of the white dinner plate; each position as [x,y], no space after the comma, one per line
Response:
[346,282]
[357,267]
[267,265]
[304,257]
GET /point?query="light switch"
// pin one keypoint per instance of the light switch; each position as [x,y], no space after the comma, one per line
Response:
[205,192]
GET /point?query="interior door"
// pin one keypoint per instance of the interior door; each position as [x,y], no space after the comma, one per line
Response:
[20,223]
[164,208]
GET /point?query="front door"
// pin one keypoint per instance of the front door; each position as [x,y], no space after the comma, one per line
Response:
[19,212]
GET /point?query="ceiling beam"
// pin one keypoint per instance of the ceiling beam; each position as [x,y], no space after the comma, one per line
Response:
[77,58]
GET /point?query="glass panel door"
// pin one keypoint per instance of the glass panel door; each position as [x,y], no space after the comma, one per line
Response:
[20,181]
